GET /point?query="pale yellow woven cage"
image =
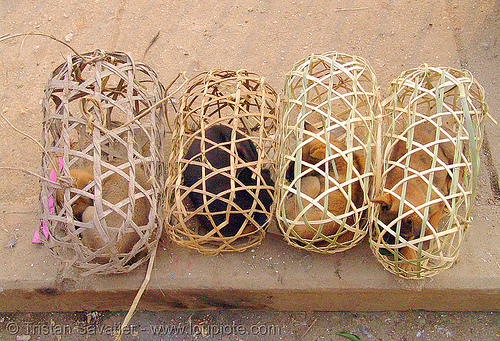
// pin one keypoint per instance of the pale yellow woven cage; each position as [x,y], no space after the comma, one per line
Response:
[433,131]
[231,218]
[326,159]
[100,119]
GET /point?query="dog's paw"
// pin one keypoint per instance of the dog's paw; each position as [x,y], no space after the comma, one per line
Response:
[408,254]
[408,267]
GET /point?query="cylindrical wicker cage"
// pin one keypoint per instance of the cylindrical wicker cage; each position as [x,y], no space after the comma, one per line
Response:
[220,187]
[433,131]
[326,162]
[103,134]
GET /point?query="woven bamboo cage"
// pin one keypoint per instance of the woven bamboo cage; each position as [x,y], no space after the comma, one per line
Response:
[433,132]
[326,159]
[220,182]
[102,133]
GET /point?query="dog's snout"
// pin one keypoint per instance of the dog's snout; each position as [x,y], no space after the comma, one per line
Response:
[289,176]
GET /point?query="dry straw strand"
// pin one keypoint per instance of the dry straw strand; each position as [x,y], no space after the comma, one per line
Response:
[139,294]
[40,34]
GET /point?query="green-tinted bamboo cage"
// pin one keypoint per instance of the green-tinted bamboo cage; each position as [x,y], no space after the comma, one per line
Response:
[433,127]
[330,104]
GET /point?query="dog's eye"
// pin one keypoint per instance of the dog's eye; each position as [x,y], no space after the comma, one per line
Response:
[407,228]
[384,207]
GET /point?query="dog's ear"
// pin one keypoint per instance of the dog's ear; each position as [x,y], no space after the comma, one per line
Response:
[448,149]
[359,160]
[82,177]
[317,149]
[398,150]
[309,127]
[247,151]
[384,200]
[436,213]
[245,175]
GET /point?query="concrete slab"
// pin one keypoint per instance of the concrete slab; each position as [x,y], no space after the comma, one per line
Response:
[266,38]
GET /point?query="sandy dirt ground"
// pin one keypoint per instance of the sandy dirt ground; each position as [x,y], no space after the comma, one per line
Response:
[266,37]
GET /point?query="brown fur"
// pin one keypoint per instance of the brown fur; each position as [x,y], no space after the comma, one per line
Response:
[114,190]
[416,190]
[81,178]
[314,184]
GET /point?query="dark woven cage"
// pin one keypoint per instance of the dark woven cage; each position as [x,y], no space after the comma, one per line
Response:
[229,204]
[326,159]
[100,120]
[433,131]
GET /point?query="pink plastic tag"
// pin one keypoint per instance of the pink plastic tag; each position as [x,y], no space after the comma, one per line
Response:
[45,230]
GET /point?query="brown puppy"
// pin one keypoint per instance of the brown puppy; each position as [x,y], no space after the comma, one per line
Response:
[313,185]
[416,189]
[114,190]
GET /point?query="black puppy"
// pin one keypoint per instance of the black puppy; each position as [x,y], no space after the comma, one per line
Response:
[217,156]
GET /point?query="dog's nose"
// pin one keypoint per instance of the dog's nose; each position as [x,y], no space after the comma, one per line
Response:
[78,216]
[289,176]
[384,252]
